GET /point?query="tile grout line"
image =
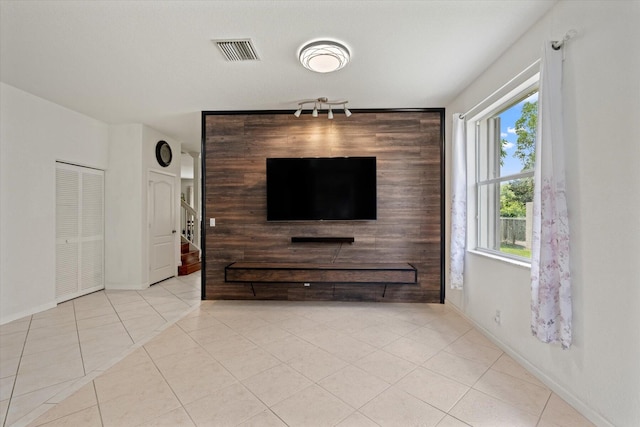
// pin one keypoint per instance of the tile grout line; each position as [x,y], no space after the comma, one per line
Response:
[95,394]
[353,335]
[15,380]
[516,378]
[317,383]
[238,381]
[164,378]
[415,368]
[544,408]
[389,385]
[75,318]
[97,371]
[118,315]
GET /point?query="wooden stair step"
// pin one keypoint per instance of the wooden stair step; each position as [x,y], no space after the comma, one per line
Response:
[184,270]
[190,257]
[190,260]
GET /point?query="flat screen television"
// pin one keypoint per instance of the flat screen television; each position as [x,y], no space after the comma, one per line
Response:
[321,188]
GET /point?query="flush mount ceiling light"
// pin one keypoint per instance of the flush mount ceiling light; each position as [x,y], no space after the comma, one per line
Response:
[324,56]
[318,103]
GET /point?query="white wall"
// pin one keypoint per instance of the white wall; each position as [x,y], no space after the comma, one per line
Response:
[150,138]
[34,133]
[600,374]
[124,204]
[185,185]
[131,157]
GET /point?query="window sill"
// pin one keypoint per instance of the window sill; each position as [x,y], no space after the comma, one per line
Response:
[522,264]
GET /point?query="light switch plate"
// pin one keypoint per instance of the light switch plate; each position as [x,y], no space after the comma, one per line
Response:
[212,222]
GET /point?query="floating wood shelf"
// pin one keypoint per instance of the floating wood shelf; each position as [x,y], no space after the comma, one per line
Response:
[310,273]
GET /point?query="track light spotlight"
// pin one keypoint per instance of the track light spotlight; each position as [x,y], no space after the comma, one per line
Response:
[317,104]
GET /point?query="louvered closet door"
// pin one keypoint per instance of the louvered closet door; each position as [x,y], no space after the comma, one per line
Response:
[79,231]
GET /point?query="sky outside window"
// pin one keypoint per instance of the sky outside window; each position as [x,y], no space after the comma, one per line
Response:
[508,118]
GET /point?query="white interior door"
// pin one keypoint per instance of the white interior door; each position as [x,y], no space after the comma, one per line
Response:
[79,231]
[162,227]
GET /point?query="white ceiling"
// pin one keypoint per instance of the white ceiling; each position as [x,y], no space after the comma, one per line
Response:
[153,62]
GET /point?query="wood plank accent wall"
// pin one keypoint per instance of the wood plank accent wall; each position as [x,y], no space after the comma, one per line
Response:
[408,145]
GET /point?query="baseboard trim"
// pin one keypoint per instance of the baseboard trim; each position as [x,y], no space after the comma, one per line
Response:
[125,287]
[558,389]
[25,313]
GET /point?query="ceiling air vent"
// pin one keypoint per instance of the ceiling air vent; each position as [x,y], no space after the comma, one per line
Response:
[237,50]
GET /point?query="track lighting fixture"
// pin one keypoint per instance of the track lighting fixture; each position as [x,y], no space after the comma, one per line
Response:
[318,103]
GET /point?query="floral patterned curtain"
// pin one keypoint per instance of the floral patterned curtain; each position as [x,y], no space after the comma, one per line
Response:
[550,272]
[458,204]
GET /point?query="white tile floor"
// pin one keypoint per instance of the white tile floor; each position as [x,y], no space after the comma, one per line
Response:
[46,355]
[262,363]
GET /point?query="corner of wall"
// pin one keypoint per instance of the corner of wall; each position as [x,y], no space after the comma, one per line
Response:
[131,157]
[123,191]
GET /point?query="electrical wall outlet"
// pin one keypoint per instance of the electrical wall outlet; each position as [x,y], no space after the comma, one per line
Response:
[307,284]
[212,222]
[497,318]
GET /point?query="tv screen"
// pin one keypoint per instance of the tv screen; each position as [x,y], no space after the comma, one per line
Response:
[321,188]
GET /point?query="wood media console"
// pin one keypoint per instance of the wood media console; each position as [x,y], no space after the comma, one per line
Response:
[308,273]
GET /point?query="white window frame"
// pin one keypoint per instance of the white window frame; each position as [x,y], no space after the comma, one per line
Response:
[478,131]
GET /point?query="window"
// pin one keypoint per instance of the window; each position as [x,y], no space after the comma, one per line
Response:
[505,158]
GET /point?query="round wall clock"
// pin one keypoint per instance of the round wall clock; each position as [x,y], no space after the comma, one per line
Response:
[163,153]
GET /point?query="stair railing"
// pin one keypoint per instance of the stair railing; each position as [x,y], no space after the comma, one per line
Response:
[189,224]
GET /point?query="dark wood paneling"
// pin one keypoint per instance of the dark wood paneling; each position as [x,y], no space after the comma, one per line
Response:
[408,148]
